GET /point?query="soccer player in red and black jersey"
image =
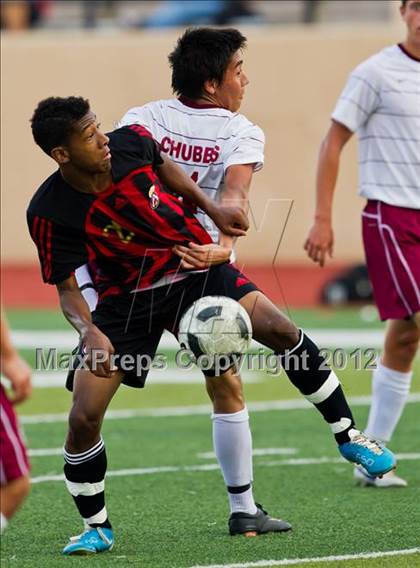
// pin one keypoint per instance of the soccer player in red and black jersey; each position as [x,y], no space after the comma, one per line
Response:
[107,204]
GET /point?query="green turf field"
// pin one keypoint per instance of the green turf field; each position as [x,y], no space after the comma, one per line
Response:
[167,501]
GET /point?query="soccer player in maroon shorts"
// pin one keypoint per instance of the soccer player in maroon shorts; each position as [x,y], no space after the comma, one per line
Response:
[381,103]
[14,465]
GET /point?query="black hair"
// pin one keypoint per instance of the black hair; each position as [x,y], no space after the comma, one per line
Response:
[54,118]
[403,3]
[200,55]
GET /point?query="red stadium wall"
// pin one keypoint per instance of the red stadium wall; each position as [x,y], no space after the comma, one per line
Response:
[287,284]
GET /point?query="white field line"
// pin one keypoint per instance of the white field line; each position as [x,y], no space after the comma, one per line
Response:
[42,452]
[171,375]
[30,339]
[214,466]
[256,452]
[292,561]
[200,409]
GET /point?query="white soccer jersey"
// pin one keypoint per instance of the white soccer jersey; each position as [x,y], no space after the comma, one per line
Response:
[204,140]
[381,101]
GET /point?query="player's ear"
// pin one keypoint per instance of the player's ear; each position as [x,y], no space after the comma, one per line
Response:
[210,86]
[60,155]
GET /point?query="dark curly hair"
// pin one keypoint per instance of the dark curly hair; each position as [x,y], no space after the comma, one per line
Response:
[53,120]
[200,55]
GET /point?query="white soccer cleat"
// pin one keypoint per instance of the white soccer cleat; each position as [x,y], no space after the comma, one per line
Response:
[387,480]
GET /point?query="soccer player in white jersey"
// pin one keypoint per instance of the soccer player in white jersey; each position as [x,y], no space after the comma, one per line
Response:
[381,102]
[221,149]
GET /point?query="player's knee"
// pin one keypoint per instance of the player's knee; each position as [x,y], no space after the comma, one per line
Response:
[83,426]
[19,488]
[410,346]
[407,343]
[227,394]
[284,333]
[25,486]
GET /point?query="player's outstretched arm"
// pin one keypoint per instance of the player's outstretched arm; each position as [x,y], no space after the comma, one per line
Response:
[13,367]
[320,240]
[230,220]
[96,345]
[236,193]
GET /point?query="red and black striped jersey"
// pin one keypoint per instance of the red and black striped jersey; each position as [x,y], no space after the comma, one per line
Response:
[126,232]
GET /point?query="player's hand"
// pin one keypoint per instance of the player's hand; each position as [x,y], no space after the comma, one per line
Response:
[18,372]
[320,242]
[230,220]
[196,257]
[98,350]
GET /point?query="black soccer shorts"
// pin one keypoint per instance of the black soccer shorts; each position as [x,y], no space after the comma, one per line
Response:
[134,323]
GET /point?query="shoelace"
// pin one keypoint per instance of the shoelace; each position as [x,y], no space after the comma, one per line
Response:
[259,506]
[363,441]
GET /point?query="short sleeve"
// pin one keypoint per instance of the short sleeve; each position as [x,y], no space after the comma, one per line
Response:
[359,99]
[150,146]
[245,146]
[60,249]
[137,115]
[133,145]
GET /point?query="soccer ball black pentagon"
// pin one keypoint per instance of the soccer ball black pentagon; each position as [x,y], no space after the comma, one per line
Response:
[215,325]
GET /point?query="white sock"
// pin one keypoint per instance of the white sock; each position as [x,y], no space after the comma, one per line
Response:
[3,523]
[242,502]
[233,447]
[389,394]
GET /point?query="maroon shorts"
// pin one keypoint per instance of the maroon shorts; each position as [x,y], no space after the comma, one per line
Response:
[391,237]
[13,458]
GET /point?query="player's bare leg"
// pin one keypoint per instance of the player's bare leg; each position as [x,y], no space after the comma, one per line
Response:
[91,397]
[12,496]
[391,383]
[85,460]
[307,370]
[401,344]
[226,392]
[270,326]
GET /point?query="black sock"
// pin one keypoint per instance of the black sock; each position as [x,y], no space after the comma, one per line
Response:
[85,475]
[308,371]
[240,489]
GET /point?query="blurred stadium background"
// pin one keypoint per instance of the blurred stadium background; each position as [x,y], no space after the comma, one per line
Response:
[115,53]
[111,52]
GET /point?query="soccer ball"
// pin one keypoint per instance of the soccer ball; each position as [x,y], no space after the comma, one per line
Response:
[215,326]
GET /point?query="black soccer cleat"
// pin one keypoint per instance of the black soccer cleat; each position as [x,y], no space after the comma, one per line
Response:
[252,525]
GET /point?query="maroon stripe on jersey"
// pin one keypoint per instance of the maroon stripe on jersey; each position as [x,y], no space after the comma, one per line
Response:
[37,233]
[193,104]
[114,216]
[140,130]
[160,223]
[111,291]
[48,261]
[115,247]
[160,260]
[191,224]
[41,241]
[34,228]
